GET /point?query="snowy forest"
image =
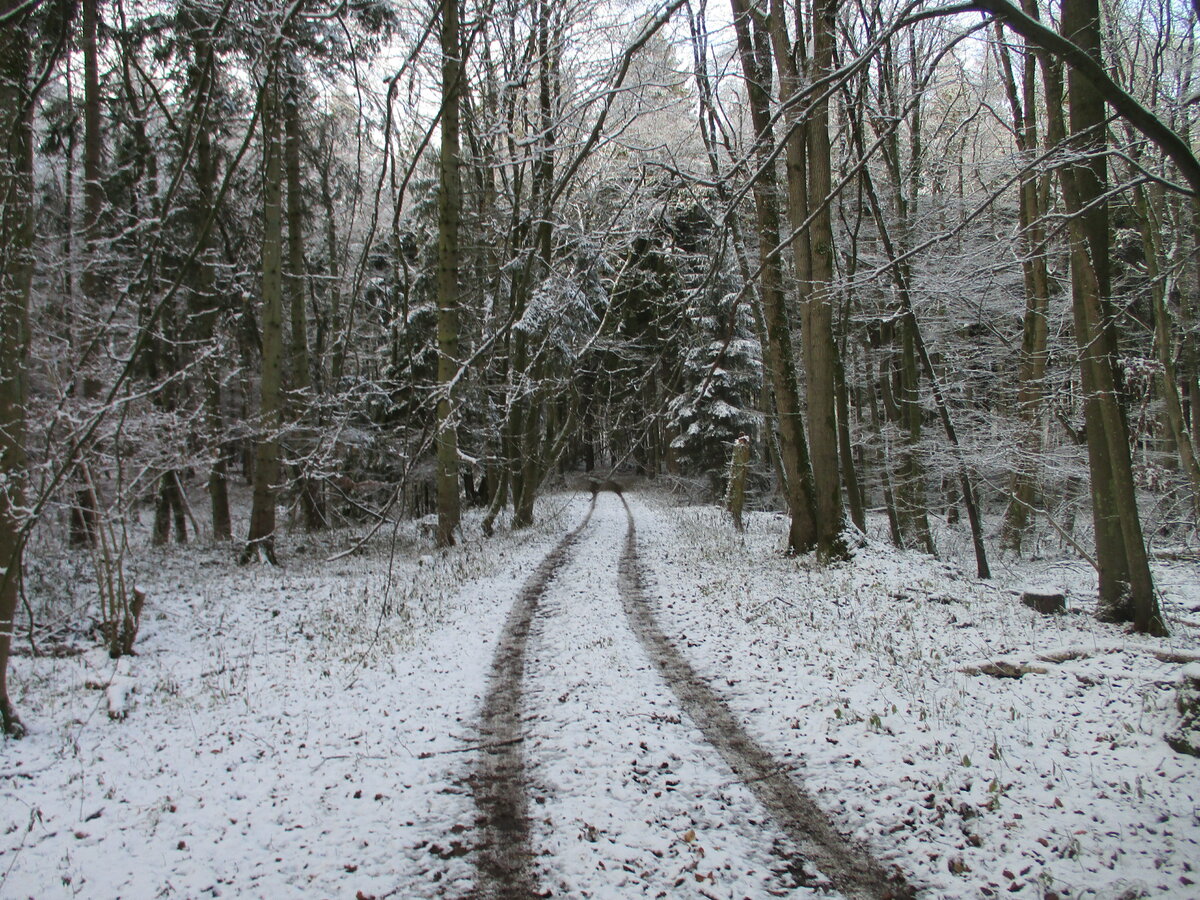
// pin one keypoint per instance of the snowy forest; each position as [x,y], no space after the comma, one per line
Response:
[322,323]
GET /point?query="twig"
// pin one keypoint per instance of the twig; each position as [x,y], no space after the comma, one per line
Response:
[426,754]
[1049,518]
[325,759]
[754,612]
[33,648]
[35,816]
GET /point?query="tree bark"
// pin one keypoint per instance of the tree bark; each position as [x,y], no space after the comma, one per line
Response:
[1126,586]
[449,211]
[261,540]
[312,506]
[735,493]
[755,59]
[16,271]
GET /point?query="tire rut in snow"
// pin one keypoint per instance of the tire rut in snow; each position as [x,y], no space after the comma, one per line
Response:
[848,866]
[503,859]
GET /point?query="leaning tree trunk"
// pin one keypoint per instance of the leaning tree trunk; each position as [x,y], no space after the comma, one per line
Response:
[261,541]
[16,270]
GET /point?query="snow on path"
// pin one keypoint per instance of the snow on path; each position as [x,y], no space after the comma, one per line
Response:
[304,732]
[629,799]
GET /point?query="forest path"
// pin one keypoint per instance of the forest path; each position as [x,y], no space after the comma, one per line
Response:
[611,769]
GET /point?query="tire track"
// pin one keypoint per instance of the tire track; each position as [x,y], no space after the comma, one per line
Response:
[849,866]
[503,859]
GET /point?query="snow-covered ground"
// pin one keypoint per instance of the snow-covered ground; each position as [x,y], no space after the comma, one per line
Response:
[307,731]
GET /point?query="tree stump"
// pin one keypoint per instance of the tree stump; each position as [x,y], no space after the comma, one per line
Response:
[1186,738]
[1045,602]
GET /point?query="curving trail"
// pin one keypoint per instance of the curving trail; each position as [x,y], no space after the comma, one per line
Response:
[643,782]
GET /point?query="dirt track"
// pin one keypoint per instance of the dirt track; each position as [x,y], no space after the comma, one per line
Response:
[504,857]
[850,867]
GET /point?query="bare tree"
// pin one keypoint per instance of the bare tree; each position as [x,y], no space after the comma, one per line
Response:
[449,212]
[754,51]
[261,541]
[16,268]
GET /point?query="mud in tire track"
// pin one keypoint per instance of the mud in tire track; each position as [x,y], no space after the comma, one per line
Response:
[848,865]
[498,779]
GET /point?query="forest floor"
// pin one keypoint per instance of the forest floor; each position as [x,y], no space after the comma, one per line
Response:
[650,706]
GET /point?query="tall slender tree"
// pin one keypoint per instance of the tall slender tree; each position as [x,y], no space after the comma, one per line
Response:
[16,269]
[1023,105]
[301,400]
[261,541]
[449,213]
[1126,586]
[754,52]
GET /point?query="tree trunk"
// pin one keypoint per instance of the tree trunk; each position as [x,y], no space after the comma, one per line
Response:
[312,506]
[169,510]
[82,532]
[885,467]
[1023,488]
[914,349]
[16,271]
[849,470]
[1164,343]
[914,512]
[809,187]
[903,406]
[261,541]
[1126,586]
[532,461]
[1189,353]
[819,349]
[204,302]
[449,210]
[735,493]
[802,533]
